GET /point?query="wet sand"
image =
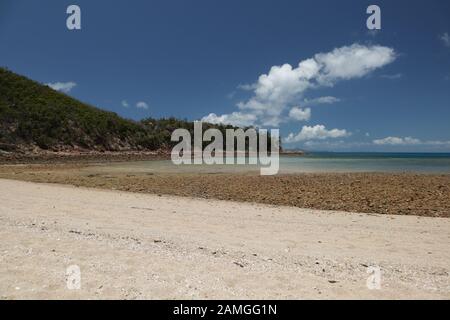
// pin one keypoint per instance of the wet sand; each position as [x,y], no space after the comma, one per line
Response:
[136,246]
[384,193]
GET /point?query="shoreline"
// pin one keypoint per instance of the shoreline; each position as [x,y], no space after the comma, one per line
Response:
[80,157]
[383,193]
[95,156]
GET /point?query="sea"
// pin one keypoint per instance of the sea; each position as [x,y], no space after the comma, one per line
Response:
[367,162]
[315,162]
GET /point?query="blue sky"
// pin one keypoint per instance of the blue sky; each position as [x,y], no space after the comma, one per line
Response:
[191,59]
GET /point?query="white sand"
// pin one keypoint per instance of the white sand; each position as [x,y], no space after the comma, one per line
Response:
[144,246]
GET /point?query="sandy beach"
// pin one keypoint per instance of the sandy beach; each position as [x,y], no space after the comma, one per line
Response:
[231,150]
[142,246]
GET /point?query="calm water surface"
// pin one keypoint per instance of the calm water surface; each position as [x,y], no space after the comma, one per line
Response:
[314,162]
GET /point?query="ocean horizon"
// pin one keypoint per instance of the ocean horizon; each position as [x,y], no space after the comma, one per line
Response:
[367,162]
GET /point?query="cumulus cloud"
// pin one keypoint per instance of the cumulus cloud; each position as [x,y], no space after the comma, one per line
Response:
[396,141]
[142,105]
[317,132]
[445,38]
[65,87]
[353,61]
[408,141]
[321,100]
[247,87]
[300,114]
[125,104]
[282,86]
[237,119]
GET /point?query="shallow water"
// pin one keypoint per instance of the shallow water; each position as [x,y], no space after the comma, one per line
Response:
[310,163]
[368,162]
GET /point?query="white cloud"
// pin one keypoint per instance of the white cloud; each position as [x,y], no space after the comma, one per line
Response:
[282,86]
[389,142]
[437,143]
[445,38]
[142,105]
[396,141]
[321,100]
[300,114]
[237,119]
[408,141]
[65,87]
[350,62]
[317,132]
[246,87]
[125,104]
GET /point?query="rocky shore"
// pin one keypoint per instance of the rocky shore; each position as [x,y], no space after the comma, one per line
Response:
[383,193]
[42,157]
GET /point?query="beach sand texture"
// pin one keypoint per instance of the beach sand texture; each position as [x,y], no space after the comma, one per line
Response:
[142,246]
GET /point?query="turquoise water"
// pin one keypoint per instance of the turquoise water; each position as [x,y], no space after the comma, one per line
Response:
[314,162]
[368,162]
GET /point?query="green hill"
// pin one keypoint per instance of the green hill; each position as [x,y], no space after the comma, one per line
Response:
[36,117]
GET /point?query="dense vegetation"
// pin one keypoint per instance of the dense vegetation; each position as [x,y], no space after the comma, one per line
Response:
[34,116]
